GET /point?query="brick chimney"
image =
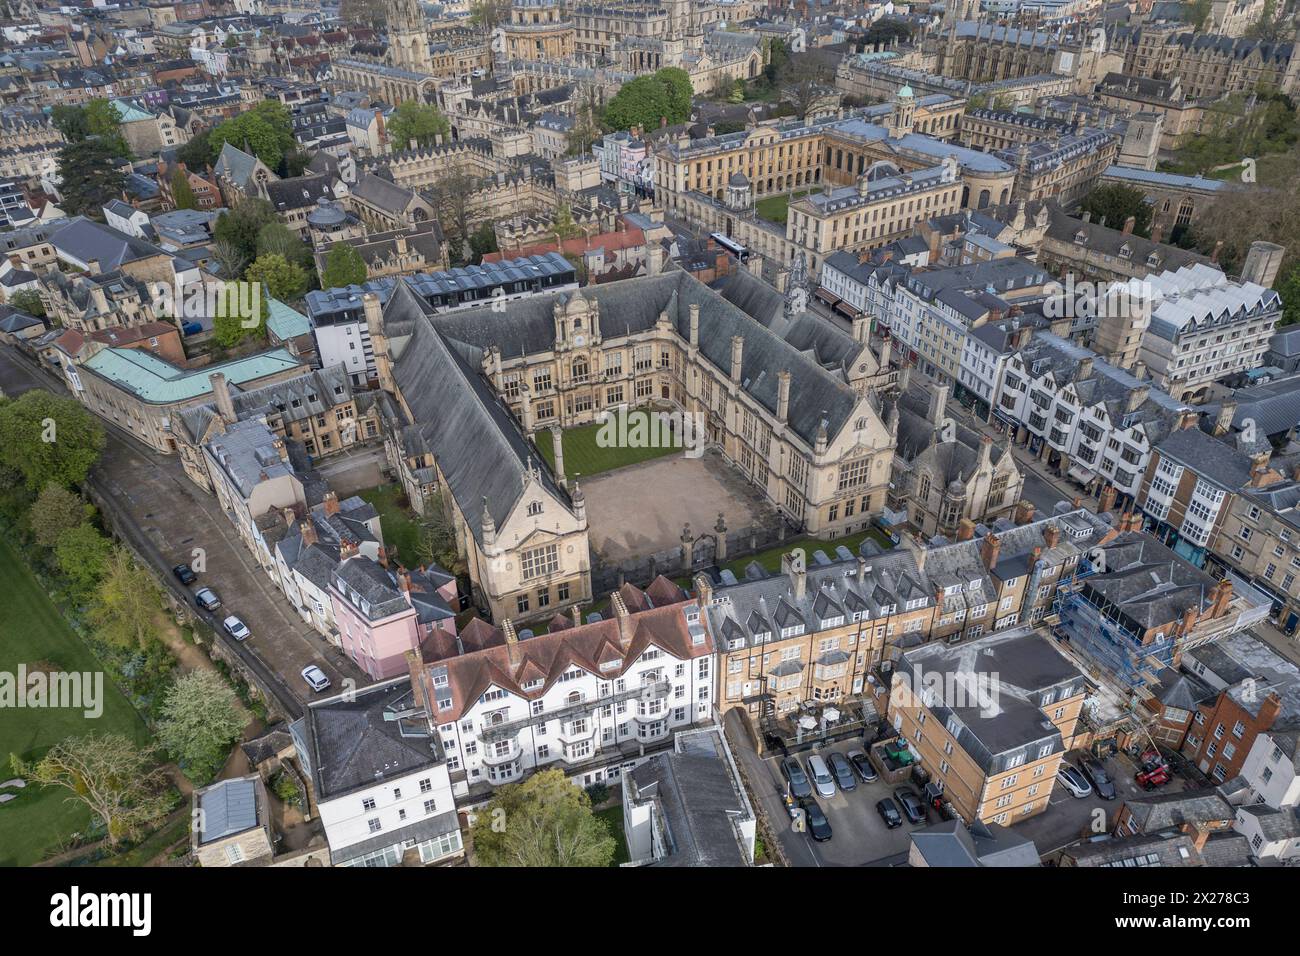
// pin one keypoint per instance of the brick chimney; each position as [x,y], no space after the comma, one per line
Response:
[1269,711]
[1220,598]
[1260,473]
[308,532]
[415,664]
[404,582]
[331,503]
[1024,512]
[1198,833]
[965,529]
[347,549]
[289,517]
[1129,225]
[990,547]
[1107,500]
[1051,536]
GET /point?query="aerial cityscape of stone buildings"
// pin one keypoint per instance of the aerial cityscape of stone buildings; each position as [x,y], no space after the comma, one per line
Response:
[674,395]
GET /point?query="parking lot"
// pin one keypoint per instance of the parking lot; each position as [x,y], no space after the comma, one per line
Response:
[858,836]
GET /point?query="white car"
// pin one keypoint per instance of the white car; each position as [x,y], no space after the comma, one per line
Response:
[1073,781]
[821,776]
[236,628]
[315,677]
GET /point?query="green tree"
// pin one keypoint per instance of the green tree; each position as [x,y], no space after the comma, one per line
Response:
[275,238]
[665,94]
[241,227]
[563,227]
[126,605]
[29,301]
[280,278]
[55,510]
[437,540]
[1197,12]
[49,439]
[416,123]
[489,14]
[201,718]
[1114,203]
[241,314]
[84,556]
[91,177]
[777,57]
[70,121]
[1288,287]
[105,122]
[115,779]
[343,266]
[266,131]
[182,193]
[197,153]
[483,241]
[544,821]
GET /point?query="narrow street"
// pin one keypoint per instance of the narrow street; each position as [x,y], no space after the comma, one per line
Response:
[166,517]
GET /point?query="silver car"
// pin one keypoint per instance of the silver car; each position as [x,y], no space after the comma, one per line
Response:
[821,776]
[315,677]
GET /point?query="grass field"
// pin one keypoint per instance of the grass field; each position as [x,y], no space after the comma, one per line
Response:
[32,631]
[584,458]
[777,208]
[771,558]
[401,531]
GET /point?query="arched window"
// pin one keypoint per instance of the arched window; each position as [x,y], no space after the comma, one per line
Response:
[579,367]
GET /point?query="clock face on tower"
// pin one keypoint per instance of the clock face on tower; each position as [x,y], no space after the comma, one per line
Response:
[580,340]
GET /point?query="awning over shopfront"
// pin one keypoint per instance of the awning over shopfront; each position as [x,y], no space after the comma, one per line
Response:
[1081,474]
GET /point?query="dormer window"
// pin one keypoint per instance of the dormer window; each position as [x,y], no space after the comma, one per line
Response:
[535,508]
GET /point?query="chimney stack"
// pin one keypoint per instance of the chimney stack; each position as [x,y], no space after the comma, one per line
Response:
[1107,500]
[990,546]
[1051,536]
[308,532]
[965,529]
[621,614]
[1024,512]
[1223,421]
[695,325]
[737,353]
[782,396]
[331,503]
[938,404]
[793,568]
[221,394]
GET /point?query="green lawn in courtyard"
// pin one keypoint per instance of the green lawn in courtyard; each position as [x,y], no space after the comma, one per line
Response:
[613,817]
[776,208]
[583,457]
[34,633]
[401,530]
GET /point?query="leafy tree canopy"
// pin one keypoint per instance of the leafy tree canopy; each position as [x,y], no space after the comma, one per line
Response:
[417,123]
[343,266]
[1114,203]
[49,439]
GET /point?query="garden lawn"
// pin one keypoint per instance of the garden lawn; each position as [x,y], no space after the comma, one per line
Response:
[584,458]
[613,817]
[32,631]
[401,530]
[777,208]
[771,558]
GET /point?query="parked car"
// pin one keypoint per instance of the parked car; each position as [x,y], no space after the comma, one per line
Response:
[821,776]
[888,811]
[236,628]
[843,771]
[1098,777]
[207,599]
[1073,781]
[862,764]
[315,677]
[911,803]
[185,574]
[793,771]
[191,328]
[1152,776]
[818,826]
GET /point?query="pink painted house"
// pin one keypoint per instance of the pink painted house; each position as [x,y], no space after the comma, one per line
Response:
[382,613]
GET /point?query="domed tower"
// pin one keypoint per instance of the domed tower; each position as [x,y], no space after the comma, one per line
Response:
[539,30]
[903,118]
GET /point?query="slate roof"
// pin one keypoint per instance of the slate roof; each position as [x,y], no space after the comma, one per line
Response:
[88,241]
[352,743]
[699,799]
[1147,583]
[298,193]
[1014,728]
[1162,810]
[382,193]
[951,843]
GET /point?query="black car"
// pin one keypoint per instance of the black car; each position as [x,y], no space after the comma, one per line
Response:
[888,811]
[818,826]
[800,785]
[862,764]
[1097,775]
[185,574]
[911,803]
[843,771]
